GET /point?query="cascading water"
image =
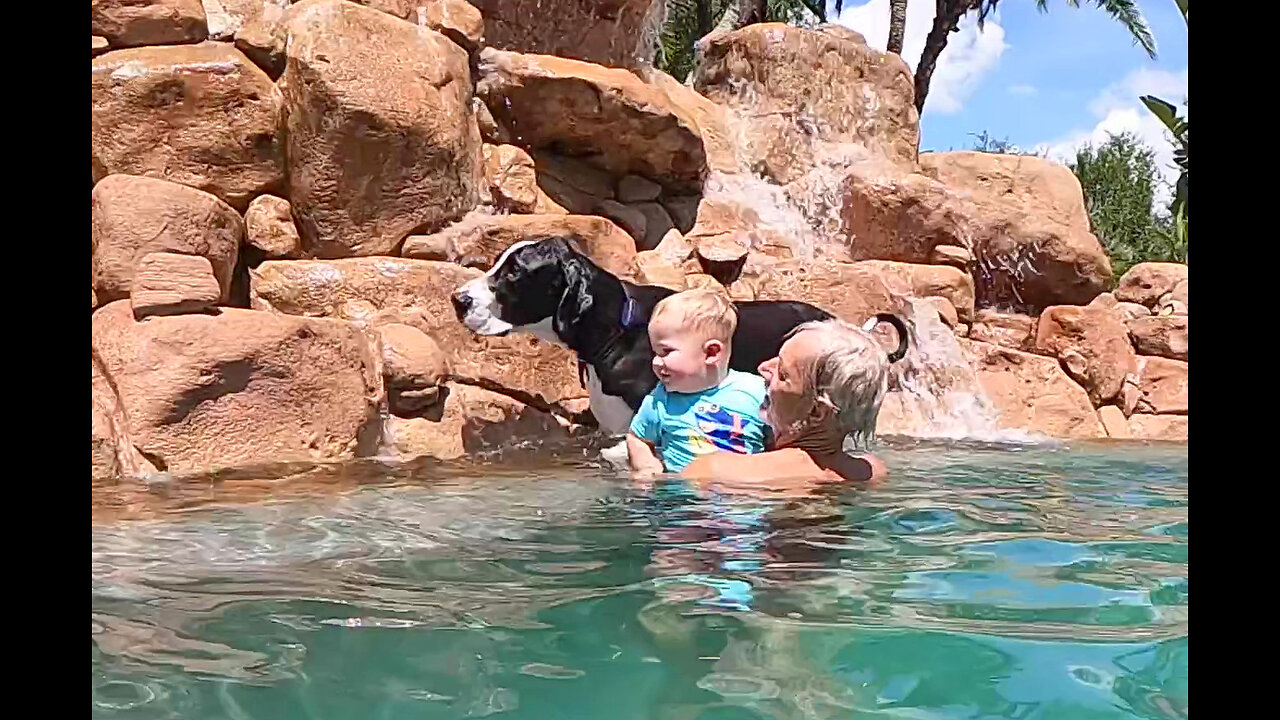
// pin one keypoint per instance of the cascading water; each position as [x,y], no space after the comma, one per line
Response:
[938,395]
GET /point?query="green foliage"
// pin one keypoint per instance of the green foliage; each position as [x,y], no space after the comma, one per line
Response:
[689,20]
[1178,128]
[1119,179]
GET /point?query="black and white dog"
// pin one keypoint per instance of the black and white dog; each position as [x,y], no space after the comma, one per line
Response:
[550,290]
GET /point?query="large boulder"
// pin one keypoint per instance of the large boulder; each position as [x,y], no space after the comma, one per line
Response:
[1161,335]
[375,154]
[799,90]
[1011,330]
[478,240]
[241,387]
[622,123]
[416,293]
[1145,283]
[608,32]
[1163,386]
[135,216]
[200,115]
[127,23]
[855,291]
[114,454]
[469,420]
[1093,345]
[1169,428]
[1031,392]
[1028,226]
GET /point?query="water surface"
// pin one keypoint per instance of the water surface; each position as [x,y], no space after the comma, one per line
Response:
[1045,582]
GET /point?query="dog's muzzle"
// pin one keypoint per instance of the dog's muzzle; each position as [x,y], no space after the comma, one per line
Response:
[461,304]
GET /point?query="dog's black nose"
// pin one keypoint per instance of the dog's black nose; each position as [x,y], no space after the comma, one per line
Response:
[461,303]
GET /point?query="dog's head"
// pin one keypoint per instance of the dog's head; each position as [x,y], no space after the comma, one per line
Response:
[526,289]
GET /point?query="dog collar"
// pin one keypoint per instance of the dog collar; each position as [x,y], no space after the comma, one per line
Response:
[631,316]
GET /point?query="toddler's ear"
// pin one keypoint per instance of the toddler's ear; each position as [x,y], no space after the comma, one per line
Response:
[714,350]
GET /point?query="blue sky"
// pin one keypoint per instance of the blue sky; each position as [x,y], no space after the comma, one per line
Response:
[1048,81]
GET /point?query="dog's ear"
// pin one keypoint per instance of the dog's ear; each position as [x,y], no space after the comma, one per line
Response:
[575,301]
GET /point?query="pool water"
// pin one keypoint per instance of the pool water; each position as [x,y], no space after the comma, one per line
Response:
[979,582]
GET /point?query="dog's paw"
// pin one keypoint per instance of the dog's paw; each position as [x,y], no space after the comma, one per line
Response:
[616,455]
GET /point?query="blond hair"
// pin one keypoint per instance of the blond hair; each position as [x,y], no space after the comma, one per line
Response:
[704,311]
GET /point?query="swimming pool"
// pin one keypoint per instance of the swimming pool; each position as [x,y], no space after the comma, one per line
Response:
[979,582]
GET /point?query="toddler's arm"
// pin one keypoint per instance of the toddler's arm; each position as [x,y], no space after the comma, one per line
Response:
[641,457]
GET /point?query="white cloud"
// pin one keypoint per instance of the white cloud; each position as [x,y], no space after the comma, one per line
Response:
[1118,110]
[968,57]
[1022,90]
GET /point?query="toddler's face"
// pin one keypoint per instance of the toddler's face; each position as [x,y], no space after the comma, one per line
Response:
[683,360]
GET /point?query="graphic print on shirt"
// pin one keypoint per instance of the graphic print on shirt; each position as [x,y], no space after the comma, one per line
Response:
[720,429]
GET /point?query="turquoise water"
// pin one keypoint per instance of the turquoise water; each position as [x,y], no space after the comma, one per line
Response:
[977,583]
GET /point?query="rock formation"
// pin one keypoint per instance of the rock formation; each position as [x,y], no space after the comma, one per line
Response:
[285,195]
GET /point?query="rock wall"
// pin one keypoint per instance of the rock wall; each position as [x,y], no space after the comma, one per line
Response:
[284,195]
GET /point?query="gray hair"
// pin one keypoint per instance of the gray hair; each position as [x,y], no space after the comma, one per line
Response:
[850,375]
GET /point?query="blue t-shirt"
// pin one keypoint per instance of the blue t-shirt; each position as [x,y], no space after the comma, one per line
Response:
[683,426]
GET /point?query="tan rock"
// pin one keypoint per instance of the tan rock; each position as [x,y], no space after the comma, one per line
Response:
[608,33]
[1131,311]
[416,293]
[633,189]
[1160,335]
[1030,229]
[703,281]
[264,36]
[512,179]
[468,421]
[268,226]
[1145,283]
[128,23]
[1170,428]
[800,89]
[413,369]
[241,387]
[625,124]
[1011,330]
[478,240]
[674,248]
[457,20]
[163,112]
[1114,422]
[490,131]
[170,284]
[100,45]
[134,216]
[1032,392]
[728,221]
[377,154]
[1163,386]
[946,311]
[1093,336]
[652,268]
[856,291]
[114,455]
[1175,301]
[579,175]
[952,255]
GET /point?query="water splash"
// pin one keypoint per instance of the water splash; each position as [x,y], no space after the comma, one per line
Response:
[938,395]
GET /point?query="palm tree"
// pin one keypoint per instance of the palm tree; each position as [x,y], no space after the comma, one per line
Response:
[1178,127]
[947,21]
[897,24]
